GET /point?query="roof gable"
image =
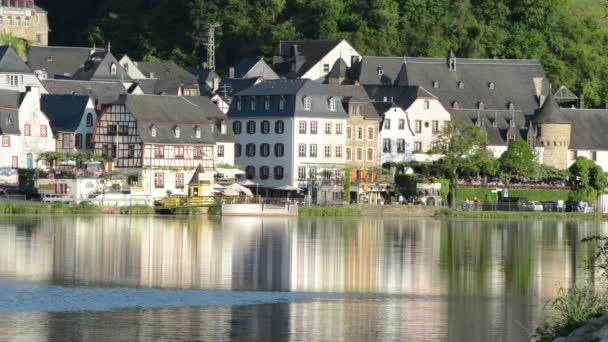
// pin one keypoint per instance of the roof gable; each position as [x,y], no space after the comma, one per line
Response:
[65,112]
[11,62]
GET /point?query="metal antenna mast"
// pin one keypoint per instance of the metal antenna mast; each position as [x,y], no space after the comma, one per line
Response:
[210,44]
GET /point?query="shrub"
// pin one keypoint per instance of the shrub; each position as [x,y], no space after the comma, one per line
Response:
[215,210]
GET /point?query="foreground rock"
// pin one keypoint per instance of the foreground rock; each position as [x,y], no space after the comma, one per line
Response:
[596,330]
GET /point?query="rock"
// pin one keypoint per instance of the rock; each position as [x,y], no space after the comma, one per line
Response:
[596,330]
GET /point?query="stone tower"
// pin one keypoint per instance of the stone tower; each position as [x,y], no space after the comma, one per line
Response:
[554,130]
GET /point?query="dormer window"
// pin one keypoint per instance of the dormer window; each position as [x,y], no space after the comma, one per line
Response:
[223,127]
[380,71]
[267,103]
[455,105]
[511,106]
[510,138]
[282,103]
[436,84]
[113,69]
[177,131]
[494,123]
[153,131]
[49,59]
[332,104]
[252,103]
[427,104]
[239,104]
[481,105]
[10,120]
[212,125]
[197,132]
[491,86]
[460,85]
[307,103]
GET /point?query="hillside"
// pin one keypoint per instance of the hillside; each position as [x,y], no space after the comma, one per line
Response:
[570,37]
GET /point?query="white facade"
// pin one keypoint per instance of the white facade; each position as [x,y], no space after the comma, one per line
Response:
[131,68]
[81,139]
[598,156]
[20,82]
[343,50]
[224,153]
[396,137]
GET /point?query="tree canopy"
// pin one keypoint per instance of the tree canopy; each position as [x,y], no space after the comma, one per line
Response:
[568,37]
[518,161]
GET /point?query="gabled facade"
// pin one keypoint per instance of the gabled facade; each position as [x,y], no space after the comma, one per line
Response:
[171,79]
[158,141]
[131,68]
[58,62]
[72,119]
[254,68]
[14,73]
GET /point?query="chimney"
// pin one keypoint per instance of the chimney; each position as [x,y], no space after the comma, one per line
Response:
[581,101]
[541,100]
[152,75]
[294,50]
[538,87]
[231,72]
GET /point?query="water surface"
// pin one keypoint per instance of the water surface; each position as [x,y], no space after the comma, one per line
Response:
[283,279]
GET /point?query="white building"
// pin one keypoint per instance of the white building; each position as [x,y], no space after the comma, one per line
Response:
[72,119]
[291,134]
[14,73]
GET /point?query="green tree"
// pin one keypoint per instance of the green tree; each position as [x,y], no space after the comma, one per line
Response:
[463,148]
[518,161]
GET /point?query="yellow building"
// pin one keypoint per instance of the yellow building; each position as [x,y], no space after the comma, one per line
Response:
[25,20]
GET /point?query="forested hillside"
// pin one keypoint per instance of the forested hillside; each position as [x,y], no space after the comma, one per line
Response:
[570,37]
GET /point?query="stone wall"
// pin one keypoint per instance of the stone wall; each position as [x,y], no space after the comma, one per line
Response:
[556,139]
[402,211]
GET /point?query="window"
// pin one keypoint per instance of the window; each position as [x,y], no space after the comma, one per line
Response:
[302,150]
[251,127]
[15,162]
[491,86]
[325,68]
[594,155]
[65,138]
[386,145]
[176,130]
[252,103]
[436,84]
[236,127]
[104,150]
[278,172]
[313,150]
[301,172]
[239,104]
[279,127]
[1,21]
[418,126]
[237,150]
[455,105]
[511,106]
[197,132]
[282,103]
[481,105]
[359,154]
[302,127]
[27,130]
[435,126]
[179,180]
[18,22]
[380,71]
[265,127]
[370,133]
[338,128]
[112,129]
[220,150]
[279,150]
[461,85]
[313,127]
[370,154]
[313,172]
[573,154]
[43,131]
[152,130]
[6,141]
[12,80]
[159,151]
[89,140]
[267,103]
[307,104]
[89,120]
[417,147]
[131,151]
[328,128]
[159,180]
[359,133]
[401,124]
[349,133]
[332,105]
[400,145]
[510,139]
[264,172]
[338,151]
[328,150]
[9,21]
[348,154]
[387,123]
[250,150]
[250,172]
[78,140]
[113,69]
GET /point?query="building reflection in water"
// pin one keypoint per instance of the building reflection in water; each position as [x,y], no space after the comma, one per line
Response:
[440,278]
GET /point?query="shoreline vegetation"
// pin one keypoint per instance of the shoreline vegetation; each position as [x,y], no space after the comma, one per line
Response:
[445,212]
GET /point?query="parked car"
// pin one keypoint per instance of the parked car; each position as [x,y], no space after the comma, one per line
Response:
[580,207]
[535,206]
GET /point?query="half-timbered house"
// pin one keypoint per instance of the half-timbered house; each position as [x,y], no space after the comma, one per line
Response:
[159,141]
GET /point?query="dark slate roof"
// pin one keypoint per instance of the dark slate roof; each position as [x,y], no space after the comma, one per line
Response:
[10,99]
[9,123]
[98,68]
[254,67]
[496,124]
[159,87]
[293,91]
[564,93]
[235,85]
[205,78]
[11,62]
[168,112]
[338,71]
[64,111]
[588,128]
[356,94]
[244,66]
[550,113]
[513,80]
[59,61]
[214,112]
[400,96]
[104,92]
[167,71]
[195,178]
[310,53]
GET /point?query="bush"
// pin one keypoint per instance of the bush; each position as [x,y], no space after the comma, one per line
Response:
[329,211]
[215,210]
[573,307]
[540,195]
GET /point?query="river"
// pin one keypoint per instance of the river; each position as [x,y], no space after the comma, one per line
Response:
[117,278]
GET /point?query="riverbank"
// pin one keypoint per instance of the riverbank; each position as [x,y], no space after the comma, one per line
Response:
[507,215]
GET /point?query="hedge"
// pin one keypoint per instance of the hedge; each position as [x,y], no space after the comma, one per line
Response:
[486,195]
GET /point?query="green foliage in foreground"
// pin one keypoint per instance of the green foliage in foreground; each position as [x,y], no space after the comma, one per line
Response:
[572,309]
[68,209]
[329,211]
[516,215]
[215,210]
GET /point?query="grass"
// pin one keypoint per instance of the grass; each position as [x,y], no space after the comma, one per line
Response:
[67,209]
[328,211]
[518,215]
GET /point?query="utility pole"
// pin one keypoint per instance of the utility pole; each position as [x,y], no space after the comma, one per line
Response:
[210,44]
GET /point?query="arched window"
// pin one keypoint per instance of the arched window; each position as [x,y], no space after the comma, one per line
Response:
[251,127]
[237,150]
[78,140]
[252,103]
[460,85]
[239,104]
[265,127]
[153,130]
[267,103]
[89,120]
[279,150]
[236,127]
[278,172]
[282,103]
[250,172]
[250,150]
[265,150]
[307,103]
[481,105]
[264,172]
[177,131]
[455,105]
[113,69]
[279,127]
[491,86]
[511,106]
